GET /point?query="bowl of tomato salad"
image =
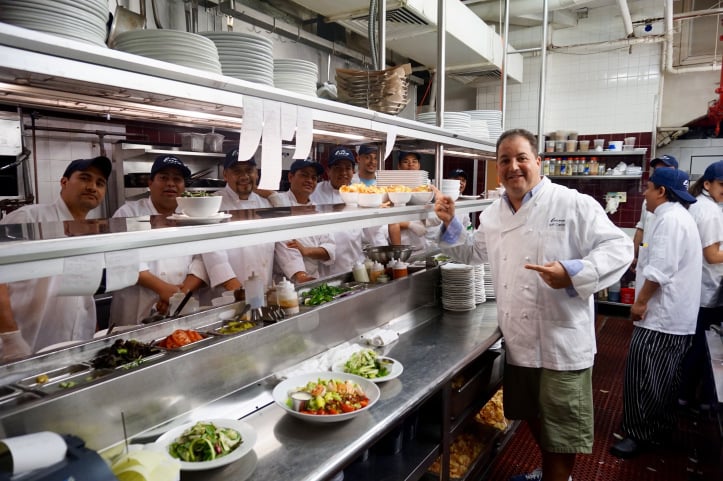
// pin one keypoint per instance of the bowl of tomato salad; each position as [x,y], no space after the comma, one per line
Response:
[335,396]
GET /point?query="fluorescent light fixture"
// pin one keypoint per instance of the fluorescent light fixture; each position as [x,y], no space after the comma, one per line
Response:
[461,154]
[342,135]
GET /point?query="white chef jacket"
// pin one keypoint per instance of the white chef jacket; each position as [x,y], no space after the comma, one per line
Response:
[709,219]
[290,261]
[671,256]
[45,318]
[545,327]
[133,303]
[349,242]
[240,262]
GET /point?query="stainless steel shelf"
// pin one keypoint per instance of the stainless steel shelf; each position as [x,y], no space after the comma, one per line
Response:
[594,153]
[596,177]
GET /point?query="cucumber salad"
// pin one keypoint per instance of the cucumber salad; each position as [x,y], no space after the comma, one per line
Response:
[204,442]
[366,363]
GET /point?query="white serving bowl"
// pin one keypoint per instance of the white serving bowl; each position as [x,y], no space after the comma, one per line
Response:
[399,198]
[421,197]
[349,198]
[370,200]
[199,206]
[454,194]
[450,184]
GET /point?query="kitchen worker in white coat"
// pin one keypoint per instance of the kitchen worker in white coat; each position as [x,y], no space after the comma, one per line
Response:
[550,249]
[667,288]
[157,280]
[44,317]
[349,243]
[299,259]
[230,268]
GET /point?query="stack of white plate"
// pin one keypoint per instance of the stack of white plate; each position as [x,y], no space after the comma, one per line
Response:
[83,20]
[492,120]
[479,284]
[458,122]
[297,76]
[458,287]
[245,56]
[410,178]
[489,287]
[182,48]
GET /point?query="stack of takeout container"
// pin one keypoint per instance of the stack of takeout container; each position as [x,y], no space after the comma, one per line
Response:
[379,90]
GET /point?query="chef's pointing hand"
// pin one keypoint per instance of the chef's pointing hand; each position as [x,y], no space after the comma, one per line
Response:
[443,206]
[552,274]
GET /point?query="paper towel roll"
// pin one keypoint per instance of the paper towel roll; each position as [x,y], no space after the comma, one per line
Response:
[32,451]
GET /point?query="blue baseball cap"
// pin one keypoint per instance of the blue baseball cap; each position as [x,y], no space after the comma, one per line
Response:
[299,164]
[668,160]
[339,154]
[101,162]
[675,180]
[232,159]
[714,171]
[403,154]
[169,162]
[367,149]
[458,173]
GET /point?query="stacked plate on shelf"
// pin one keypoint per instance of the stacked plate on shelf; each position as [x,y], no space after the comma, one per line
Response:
[458,122]
[458,287]
[182,48]
[492,120]
[295,75]
[410,178]
[487,277]
[245,56]
[479,284]
[83,20]
[379,90]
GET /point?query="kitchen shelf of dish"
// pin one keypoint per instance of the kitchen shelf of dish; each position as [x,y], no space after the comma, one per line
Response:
[596,177]
[40,70]
[593,153]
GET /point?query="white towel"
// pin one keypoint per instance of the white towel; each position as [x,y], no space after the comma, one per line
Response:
[380,337]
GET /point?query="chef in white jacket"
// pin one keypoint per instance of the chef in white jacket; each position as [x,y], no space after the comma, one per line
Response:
[299,259]
[550,249]
[160,279]
[230,268]
[349,243]
[45,318]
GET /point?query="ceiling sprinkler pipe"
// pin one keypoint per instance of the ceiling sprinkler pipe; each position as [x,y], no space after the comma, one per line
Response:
[627,21]
[490,10]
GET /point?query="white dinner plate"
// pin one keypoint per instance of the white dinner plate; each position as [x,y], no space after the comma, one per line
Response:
[469,197]
[292,384]
[212,219]
[248,439]
[395,370]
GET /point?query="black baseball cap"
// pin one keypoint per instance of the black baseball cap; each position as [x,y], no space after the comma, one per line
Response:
[170,162]
[339,154]
[299,164]
[101,162]
[668,160]
[232,159]
[458,173]
[403,154]
[368,149]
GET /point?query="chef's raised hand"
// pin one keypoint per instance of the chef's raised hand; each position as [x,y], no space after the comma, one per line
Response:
[552,274]
[443,206]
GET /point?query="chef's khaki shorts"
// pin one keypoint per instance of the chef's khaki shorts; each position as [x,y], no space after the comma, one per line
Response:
[564,405]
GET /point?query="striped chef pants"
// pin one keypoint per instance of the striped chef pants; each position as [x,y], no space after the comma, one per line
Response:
[652,378]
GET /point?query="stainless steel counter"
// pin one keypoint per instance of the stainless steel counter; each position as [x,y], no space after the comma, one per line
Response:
[292,449]
[715,350]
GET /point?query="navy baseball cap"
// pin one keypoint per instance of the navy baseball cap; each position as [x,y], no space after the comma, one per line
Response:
[668,160]
[339,154]
[101,162]
[403,154]
[714,171]
[232,159]
[458,173]
[367,149]
[675,180]
[299,164]
[169,162]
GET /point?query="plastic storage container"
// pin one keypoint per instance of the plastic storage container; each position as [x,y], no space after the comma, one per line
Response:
[192,141]
[287,297]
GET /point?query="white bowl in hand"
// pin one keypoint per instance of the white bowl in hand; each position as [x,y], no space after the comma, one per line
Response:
[400,198]
[199,206]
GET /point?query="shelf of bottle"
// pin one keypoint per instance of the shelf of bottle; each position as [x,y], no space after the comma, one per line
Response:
[595,153]
[601,177]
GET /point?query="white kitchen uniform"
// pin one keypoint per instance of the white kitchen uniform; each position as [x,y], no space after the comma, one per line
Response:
[709,219]
[44,318]
[240,262]
[545,327]
[349,243]
[671,256]
[133,303]
[290,261]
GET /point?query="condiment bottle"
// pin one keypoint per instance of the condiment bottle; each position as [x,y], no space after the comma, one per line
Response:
[272,295]
[254,287]
[368,263]
[390,267]
[400,270]
[360,272]
[377,270]
[287,297]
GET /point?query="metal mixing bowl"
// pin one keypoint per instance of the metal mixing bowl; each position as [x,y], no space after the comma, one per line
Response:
[384,254]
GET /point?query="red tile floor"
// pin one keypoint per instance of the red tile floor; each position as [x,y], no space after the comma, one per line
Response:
[696,453]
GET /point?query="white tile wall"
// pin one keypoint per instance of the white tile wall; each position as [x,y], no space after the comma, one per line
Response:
[609,90]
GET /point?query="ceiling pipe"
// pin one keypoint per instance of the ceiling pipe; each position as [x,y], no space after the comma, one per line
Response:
[627,21]
[668,47]
[491,10]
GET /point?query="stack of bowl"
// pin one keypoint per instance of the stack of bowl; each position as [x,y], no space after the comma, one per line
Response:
[450,187]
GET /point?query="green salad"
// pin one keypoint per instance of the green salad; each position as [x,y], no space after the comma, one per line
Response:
[321,294]
[366,363]
[204,442]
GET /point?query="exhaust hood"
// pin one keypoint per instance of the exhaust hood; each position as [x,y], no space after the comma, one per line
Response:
[474,49]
